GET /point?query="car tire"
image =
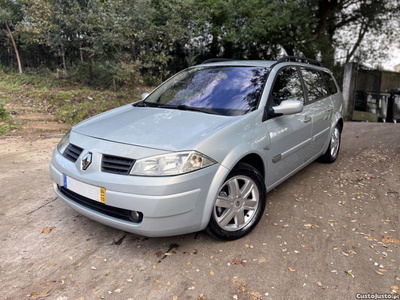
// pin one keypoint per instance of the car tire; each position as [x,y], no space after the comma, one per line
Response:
[242,199]
[332,152]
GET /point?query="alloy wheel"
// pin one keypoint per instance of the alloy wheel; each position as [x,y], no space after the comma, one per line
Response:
[236,203]
[335,142]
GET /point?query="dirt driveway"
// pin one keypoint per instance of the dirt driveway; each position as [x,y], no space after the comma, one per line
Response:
[329,232]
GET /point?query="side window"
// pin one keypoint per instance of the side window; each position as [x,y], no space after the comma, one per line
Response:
[315,84]
[287,86]
[331,83]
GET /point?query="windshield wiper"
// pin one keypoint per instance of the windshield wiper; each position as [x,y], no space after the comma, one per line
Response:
[191,108]
[146,104]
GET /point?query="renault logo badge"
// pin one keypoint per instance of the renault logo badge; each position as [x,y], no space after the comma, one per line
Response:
[86,161]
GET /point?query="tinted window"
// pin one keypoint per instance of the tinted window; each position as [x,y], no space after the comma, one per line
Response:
[331,83]
[287,86]
[226,90]
[315,85]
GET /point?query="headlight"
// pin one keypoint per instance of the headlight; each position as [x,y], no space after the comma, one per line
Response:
[171,164]
[63,144]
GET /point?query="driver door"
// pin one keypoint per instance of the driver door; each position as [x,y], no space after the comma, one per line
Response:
[290,135]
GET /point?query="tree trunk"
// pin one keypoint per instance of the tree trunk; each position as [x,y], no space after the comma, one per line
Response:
[114,84]
[90,66]
[63,60]
[15,47]
[361,34]
[289,49]
[133,56]
[323,31]
[214,47]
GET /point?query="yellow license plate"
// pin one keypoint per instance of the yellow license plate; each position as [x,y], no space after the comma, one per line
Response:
[102,195]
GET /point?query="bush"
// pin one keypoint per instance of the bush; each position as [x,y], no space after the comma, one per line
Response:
[4,115]
[7,127]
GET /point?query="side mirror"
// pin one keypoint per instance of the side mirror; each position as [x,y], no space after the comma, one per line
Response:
[144,95]
[288,107]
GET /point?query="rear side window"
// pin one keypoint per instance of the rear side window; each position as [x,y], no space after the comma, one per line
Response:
[287,86]
[331,83]
[315,84]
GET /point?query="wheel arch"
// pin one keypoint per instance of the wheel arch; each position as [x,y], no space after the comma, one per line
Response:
[239,154]
[340,122]
[337,120]
[254,160]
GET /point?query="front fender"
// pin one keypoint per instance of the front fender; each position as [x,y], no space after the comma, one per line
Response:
[230,161]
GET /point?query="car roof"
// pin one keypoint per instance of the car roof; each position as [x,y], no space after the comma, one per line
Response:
[260,63]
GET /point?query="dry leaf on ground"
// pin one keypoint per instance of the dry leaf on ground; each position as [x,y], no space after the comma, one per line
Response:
[237,261]
[389,239]
[46,230]
[202,297]
[262,260]
[256,296]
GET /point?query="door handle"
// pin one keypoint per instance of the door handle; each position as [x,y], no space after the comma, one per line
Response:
[307,119]
[329,108]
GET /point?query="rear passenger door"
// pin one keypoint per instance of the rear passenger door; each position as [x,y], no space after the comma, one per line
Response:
[320,108]
[290,135]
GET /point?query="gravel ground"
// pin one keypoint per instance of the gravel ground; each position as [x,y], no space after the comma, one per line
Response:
[329,232]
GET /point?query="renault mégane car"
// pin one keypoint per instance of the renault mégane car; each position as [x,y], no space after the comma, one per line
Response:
[203,149]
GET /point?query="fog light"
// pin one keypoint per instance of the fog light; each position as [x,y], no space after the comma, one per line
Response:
[137,216]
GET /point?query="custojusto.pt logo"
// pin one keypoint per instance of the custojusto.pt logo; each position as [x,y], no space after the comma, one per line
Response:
[377,296]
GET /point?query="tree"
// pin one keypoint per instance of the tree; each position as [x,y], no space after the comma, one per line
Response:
[9,13]
[333,16]
[111,42]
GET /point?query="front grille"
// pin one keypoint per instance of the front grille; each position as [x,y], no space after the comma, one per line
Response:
[116,165]
[119,213]
[72,152]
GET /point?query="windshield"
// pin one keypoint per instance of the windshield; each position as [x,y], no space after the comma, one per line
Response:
[224,90]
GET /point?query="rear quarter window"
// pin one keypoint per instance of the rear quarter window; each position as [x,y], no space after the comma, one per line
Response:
[331,83]
[315,84]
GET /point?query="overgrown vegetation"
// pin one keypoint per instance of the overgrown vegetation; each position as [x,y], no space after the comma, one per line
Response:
[57,101]
[4,115]
[4,120]
[5,128]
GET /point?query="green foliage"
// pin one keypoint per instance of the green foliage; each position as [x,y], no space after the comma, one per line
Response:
[123,43]
[4,115]
[69,104]
[4,120]
[32,77]
[7,128]
[77,105]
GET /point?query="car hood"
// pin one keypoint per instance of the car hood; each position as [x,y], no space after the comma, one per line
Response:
[158,128]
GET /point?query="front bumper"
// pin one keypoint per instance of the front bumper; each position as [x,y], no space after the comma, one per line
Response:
[170,205]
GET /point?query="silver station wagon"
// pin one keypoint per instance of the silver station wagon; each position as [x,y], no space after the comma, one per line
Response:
[203,149]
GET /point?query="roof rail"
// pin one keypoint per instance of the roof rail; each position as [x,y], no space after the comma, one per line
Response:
[213,60]
[299,59]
